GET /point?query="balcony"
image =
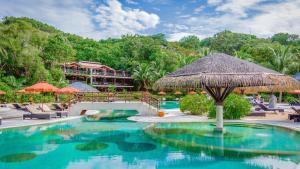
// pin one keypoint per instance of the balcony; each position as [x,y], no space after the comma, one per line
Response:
[106,84]
[98,73]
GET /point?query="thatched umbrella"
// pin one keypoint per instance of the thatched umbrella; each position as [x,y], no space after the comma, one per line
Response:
[218,74]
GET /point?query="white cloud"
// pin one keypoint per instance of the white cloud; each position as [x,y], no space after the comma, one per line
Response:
[179,35]
[116,21]
[73,16]
[132,2]
[237,7]
[199,9]
[214,2]
[69,16]
[269,19]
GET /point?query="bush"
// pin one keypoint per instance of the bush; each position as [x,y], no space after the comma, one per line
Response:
[195,104]
[169,97]
[235,107]
[291,99]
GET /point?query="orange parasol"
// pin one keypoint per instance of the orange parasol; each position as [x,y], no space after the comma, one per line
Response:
[162,93]
[23,91]
[2,92]
[178,93]
[203,92]
[295,92]
[192,92]
[43,87]
[67,90]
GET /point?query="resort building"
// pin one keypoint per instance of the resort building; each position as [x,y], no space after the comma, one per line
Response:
[97,75]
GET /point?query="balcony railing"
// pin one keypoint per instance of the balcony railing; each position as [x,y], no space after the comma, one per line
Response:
[111,83]
[97,73]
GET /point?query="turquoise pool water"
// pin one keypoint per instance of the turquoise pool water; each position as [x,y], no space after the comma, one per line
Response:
[120,144]
[169,105]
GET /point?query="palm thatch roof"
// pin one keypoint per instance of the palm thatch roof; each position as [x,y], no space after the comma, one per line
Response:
[83,87]
[222,70]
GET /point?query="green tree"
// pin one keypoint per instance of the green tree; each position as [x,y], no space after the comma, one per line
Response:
[285,38]
[190,42]
[144,75]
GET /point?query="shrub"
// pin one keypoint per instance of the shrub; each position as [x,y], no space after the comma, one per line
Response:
[235,107]
[195,104]
[169,97]
[291,99]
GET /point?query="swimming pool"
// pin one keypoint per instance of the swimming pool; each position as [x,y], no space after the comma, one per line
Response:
[125,144]
[169,105]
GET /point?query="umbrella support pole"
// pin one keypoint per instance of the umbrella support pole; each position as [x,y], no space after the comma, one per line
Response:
[219,94]
[219,118]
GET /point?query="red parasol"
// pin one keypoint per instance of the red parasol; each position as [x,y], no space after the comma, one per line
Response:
[162,93]
[295,92]
[43,87]
[2,92]
[67,90]
[203,92]
[178,93]
[192,92]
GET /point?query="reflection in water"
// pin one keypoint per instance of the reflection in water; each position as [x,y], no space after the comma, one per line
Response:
[91,146]
[124,144]
[17,157]
[231,144]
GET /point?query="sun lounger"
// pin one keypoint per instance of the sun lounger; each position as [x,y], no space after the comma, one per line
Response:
[34,112]
[296,116]
[18,106]
[296,110]
[265,108]
[294,103]
[58,107]
[45,108]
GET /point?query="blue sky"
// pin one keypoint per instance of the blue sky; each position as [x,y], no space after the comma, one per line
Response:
[100,19]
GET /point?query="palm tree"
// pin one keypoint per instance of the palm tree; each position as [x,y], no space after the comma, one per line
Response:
[143,74]
[282,60]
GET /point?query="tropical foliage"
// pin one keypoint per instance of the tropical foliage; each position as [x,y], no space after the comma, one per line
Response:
[195,104]
[235,107]
[32,51]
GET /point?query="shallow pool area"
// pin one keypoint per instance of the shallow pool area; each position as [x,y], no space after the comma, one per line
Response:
[169,105]
[126,144]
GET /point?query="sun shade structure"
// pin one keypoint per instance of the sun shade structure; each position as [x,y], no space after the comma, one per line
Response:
[295,92]
[42,87]
[178,93]
[192,92]
[219,74]
[203,92]
[23,91]
[83,87]
[67,90]
[162,93]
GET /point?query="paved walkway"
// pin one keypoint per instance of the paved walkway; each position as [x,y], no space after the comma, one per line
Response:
[172,115]
[175,115]
[11,123]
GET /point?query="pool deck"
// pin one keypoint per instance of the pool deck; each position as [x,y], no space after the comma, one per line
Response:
[172,115]
[13,123]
